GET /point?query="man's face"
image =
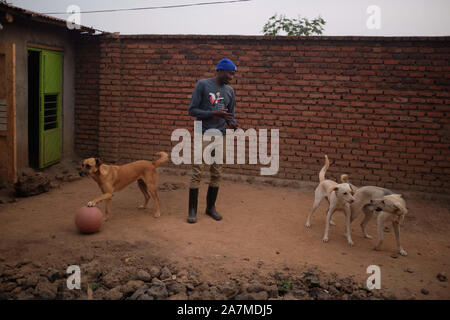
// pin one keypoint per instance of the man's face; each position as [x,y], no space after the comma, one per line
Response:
[226,76]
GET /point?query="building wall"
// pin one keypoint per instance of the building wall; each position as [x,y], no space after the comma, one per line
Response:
[87,96]
[378,107]
[23,34]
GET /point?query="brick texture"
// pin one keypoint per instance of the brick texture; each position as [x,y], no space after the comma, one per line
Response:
[86,96]
[378,107]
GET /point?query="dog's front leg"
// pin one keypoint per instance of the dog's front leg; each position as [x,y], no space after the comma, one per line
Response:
[105,196]
[396,226]
[348,216]
[327,223]
[367,216]
[107,209]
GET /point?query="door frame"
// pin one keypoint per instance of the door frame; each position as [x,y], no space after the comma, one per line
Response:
[10,135]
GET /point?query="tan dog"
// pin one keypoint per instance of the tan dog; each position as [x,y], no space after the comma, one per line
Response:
[339,197]
[389,208]
[111,178]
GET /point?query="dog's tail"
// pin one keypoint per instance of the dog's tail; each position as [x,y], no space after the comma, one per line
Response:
[163,158]
[324,169]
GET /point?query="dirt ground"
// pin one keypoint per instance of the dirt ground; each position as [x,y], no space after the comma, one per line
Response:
[263,229]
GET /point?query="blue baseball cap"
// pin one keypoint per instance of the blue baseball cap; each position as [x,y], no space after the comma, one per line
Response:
[227,65]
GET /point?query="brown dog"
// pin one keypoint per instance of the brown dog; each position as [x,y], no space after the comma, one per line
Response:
[111,178]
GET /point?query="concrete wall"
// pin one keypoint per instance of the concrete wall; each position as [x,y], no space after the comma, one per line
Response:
[23,34]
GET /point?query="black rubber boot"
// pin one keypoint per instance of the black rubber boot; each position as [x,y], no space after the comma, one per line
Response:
[211,203]
[193,199]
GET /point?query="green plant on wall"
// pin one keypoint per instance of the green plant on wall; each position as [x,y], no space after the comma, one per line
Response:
[293,27]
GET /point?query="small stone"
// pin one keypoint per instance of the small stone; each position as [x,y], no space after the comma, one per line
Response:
[189,286]
[202,287]
[195,295]
[10,286]
[158,291]
[386,229]
[176,287]
[157,281]
[263,295]
[229,289]
[138,293]
[441,277]
[144,275]
[165,274]
[312,279]
[155,271]
[114,294]
[53,275]
[131,286]
[272,291]
[409,270]
[299,293]
[425,291]
[256,287]
[45,290]
[179,296]
[394,256]
[55,184]
[73,177]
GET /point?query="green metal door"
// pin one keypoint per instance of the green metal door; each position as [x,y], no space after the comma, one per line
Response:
[50,108]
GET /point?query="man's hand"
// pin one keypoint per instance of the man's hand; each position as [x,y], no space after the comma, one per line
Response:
[222,114]
[232,125]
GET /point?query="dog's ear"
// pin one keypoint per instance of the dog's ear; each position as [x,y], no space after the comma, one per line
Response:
[98,162]
[336,188]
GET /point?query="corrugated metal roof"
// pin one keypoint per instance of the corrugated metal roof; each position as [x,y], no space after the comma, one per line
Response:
[39,17]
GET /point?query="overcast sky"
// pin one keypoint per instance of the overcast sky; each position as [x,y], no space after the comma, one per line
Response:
[343,17]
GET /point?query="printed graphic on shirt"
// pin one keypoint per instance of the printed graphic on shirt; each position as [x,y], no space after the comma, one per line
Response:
[212,98]
[216,100]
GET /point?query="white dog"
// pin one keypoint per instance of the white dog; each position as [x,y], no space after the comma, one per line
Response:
[390,208]
[339,197]
[363,196]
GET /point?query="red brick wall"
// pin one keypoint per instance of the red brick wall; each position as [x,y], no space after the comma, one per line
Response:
[379,107]
[86,96]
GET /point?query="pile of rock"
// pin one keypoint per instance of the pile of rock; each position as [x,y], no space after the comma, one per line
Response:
[27,280]
[31,183]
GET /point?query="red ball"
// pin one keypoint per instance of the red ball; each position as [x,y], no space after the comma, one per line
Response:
[88,219]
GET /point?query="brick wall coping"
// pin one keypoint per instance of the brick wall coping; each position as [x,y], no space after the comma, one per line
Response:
[270,38]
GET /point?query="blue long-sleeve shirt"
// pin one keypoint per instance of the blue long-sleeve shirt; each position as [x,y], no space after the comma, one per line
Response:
[208,97]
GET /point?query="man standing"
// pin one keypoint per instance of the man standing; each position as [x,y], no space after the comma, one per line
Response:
[212,102]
